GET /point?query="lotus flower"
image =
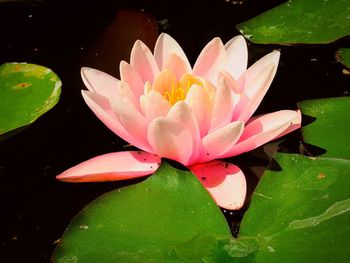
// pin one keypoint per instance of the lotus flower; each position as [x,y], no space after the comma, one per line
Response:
[194,116]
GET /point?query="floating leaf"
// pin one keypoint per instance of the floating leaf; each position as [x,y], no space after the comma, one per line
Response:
[148,222]
[295,211]
[298,214]
[300,21]
[26,92]
[343,56]
[331,128]
[170,218]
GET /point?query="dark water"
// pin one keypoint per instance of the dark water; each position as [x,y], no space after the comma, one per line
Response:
[35,208]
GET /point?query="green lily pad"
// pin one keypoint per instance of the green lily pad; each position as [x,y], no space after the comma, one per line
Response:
[170,217]
[299,211]
[331,128]
[343,56]
[148,222]
[299,214]
[26,92]
[300,22]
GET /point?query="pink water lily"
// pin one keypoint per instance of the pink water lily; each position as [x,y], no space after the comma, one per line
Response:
[195,116]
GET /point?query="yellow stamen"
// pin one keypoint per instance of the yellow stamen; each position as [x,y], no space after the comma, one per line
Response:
[179,89]
[177,93]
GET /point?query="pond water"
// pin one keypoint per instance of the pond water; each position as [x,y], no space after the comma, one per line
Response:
[36,208]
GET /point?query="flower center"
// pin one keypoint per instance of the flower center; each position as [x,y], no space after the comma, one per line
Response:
[178,89]
[175,94]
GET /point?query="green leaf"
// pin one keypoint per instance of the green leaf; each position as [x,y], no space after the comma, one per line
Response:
[331,128]
[154,221]
[26,92]
[343,56]
[299,211]
[300,21]
[299,214]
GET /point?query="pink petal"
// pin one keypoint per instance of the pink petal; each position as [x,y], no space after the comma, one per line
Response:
[183,114]
[130,76]
[226,78]
[220,141]
[126,94]
[256,91]
[170,139]
[176,65]
[256,81]
[211,60]
[199,101]
[165,47]
[112,167]
[153,105]
[133,121]
[222,107]
[147,87]
[252,71]
[100,105]
[224,181]
[262,130]
[240,103]
[143,62]
[99,82]
[165,81]
[237,56]
[295,124]
[239,99]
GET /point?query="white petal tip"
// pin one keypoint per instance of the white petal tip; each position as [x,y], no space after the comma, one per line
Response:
[224,181]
